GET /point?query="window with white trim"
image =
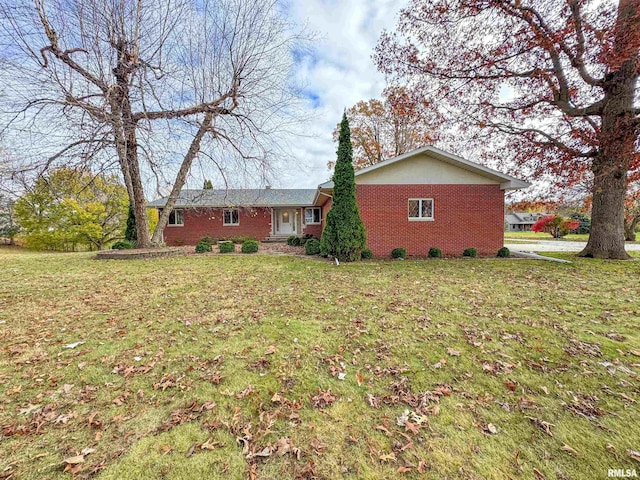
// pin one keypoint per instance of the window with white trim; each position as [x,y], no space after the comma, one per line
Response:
[231,216]
[312,215]
[176,218]
[420,209]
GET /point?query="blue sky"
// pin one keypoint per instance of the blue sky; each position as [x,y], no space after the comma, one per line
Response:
[335,73]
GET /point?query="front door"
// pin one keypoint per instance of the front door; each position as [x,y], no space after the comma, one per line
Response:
[286,222]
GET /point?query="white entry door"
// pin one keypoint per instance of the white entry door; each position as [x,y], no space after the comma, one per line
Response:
[286,222]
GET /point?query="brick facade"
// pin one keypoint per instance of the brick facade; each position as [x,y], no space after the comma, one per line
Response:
[464,216]
[198,223]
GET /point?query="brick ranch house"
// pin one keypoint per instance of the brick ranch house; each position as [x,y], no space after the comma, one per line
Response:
[421,199]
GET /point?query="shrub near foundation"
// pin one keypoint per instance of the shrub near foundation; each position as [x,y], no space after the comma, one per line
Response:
[226,247]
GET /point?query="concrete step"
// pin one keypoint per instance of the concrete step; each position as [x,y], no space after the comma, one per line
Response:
[276,239]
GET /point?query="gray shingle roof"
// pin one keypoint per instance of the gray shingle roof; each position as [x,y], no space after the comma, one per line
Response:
[523,218]
[241,198]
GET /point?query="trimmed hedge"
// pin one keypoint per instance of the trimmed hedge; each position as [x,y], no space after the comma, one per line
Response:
[470,252]
[250,246]
[203,247]
[435,252]
[312,247]
[122,245]
[367,254]
[399,252]
[504,252]
[227,246]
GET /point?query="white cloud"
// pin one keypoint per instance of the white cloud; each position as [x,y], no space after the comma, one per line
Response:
[336,73]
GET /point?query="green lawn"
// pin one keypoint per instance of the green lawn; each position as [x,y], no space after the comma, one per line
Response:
[572,237]
[276,367]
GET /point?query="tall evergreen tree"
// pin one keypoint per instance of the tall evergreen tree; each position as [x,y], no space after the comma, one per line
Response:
[344,236]
[208,185]
[130,232]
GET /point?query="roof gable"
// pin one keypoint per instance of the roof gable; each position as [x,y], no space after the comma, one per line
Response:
[432,165]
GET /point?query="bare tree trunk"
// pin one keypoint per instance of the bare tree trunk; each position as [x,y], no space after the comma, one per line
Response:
[136,191]
[618,135]
[194,148]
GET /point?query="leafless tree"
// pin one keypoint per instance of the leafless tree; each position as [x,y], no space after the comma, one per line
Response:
[149,86]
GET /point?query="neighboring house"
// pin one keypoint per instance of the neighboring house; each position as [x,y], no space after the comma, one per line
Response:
[521,221]
[421,199]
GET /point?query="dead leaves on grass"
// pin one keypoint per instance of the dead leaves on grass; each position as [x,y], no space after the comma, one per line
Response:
[323,399]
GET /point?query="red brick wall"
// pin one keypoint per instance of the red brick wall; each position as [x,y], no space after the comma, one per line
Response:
[255,222]
[315,230]
[465,216]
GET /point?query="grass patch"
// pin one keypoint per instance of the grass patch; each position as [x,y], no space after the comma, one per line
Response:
[209,367]
[572,237]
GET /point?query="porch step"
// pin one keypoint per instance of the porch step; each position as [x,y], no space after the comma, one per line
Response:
[276,239]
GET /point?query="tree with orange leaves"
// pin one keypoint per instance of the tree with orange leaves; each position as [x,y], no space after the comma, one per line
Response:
[554,83]
[382,129]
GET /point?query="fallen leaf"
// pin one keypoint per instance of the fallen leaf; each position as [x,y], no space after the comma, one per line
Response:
[633,454]
[492,429]
[388,457]
[191,450]
[167,449]
[538,474]
[404,469]
[74,460]
[271,349]
[453,352]
[567,448]
[209,445]
[72,345]
[384,429]
[511,385]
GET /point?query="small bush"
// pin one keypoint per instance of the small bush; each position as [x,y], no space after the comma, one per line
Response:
[291,239]
[250,246]
[122,245]
[203,246]
[435,252]
[209,240]
[504,252]
[296,242]
[367,253]
[303,241]
[470,252]
[312,247]
[240,239]
[399,252]
[227,246]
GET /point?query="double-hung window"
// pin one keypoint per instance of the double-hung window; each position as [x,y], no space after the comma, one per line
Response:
[231,216]
[312,215]
[176,218]
[420,209]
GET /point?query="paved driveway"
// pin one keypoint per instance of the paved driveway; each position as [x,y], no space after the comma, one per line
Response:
[555,246]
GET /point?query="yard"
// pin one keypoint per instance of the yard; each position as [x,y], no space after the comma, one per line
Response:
[279,367]
[572,237]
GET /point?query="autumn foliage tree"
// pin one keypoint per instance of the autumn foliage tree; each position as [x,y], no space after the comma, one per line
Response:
[555,225]
[68,208]
[554,82]
[382,129]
